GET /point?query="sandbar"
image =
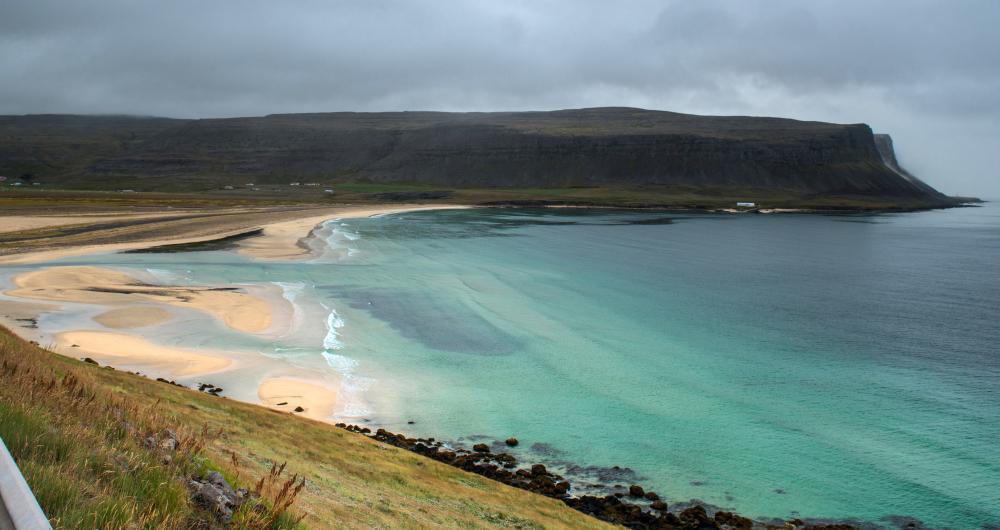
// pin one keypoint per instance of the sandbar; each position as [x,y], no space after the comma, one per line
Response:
[133,317]
[96,285]
[124,350]
[318,400]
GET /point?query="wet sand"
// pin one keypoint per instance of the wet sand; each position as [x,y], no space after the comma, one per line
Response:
[135,303]
[285,240]
[133,317]
[134,353]
[318,400]
[95,285]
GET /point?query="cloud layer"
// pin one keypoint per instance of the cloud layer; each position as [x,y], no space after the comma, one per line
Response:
[928,72]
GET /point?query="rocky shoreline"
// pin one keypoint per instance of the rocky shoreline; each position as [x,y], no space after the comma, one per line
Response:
[635,508]
[631,506]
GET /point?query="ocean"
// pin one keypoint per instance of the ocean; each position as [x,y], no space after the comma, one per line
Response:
[792,365]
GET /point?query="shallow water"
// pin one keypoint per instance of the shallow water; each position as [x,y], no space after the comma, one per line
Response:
[786,365]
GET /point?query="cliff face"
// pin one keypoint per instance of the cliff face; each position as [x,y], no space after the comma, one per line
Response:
[883,142]
[586,147]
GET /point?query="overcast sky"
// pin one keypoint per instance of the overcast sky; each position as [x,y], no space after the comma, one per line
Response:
[927,72]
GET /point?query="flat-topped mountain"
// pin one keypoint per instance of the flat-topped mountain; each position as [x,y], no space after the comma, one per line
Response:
[598,147]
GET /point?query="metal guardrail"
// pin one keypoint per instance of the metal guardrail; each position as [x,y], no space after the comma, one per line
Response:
[18,508]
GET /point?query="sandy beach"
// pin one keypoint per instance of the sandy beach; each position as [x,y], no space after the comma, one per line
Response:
[283,231]
[284,241]
[95,285]
[317,399]
[16,223]
[133,317]
[134,302]
[128,351]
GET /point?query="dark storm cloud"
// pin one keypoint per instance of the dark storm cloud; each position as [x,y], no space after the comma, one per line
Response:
[928,72]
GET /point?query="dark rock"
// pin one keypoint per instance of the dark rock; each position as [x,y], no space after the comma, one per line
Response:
[481,448]
[88,360]
[635,491]
[512,442]
[214,493]
[168,440]
[538,469]
[651,496]
[300,409]
[732,520]
[658,505]
[285,403]
[696,517]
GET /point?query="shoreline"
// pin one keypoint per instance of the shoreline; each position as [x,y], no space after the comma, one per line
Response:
[131,303]
[278,238]
[283,389]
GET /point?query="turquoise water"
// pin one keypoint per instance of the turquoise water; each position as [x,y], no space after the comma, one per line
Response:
[820,366]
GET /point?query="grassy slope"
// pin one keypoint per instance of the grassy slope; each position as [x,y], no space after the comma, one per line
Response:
[87,470]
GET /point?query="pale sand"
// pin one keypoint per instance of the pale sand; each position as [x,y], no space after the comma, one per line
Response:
[280,241]
[132,352]
[284,241]
[16,223]
[95,285]
[241,311]
[133,317]
[318,400]
[83,250]
[21,318]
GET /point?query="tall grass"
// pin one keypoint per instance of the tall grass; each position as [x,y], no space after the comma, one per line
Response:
[93,458]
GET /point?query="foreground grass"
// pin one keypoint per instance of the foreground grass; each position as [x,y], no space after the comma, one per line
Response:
[76,429]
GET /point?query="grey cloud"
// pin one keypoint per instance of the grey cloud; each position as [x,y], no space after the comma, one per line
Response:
[909,67]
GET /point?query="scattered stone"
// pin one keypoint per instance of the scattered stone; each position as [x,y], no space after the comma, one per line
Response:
[299,409]
[696,517]
[214,493]
[169,440]
[411,422]
[88,360]
[512,442]
[612,508]
[732,520]
[74,345]
[282,403]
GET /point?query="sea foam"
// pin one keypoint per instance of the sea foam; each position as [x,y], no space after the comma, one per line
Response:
[352,386]
[337,237]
